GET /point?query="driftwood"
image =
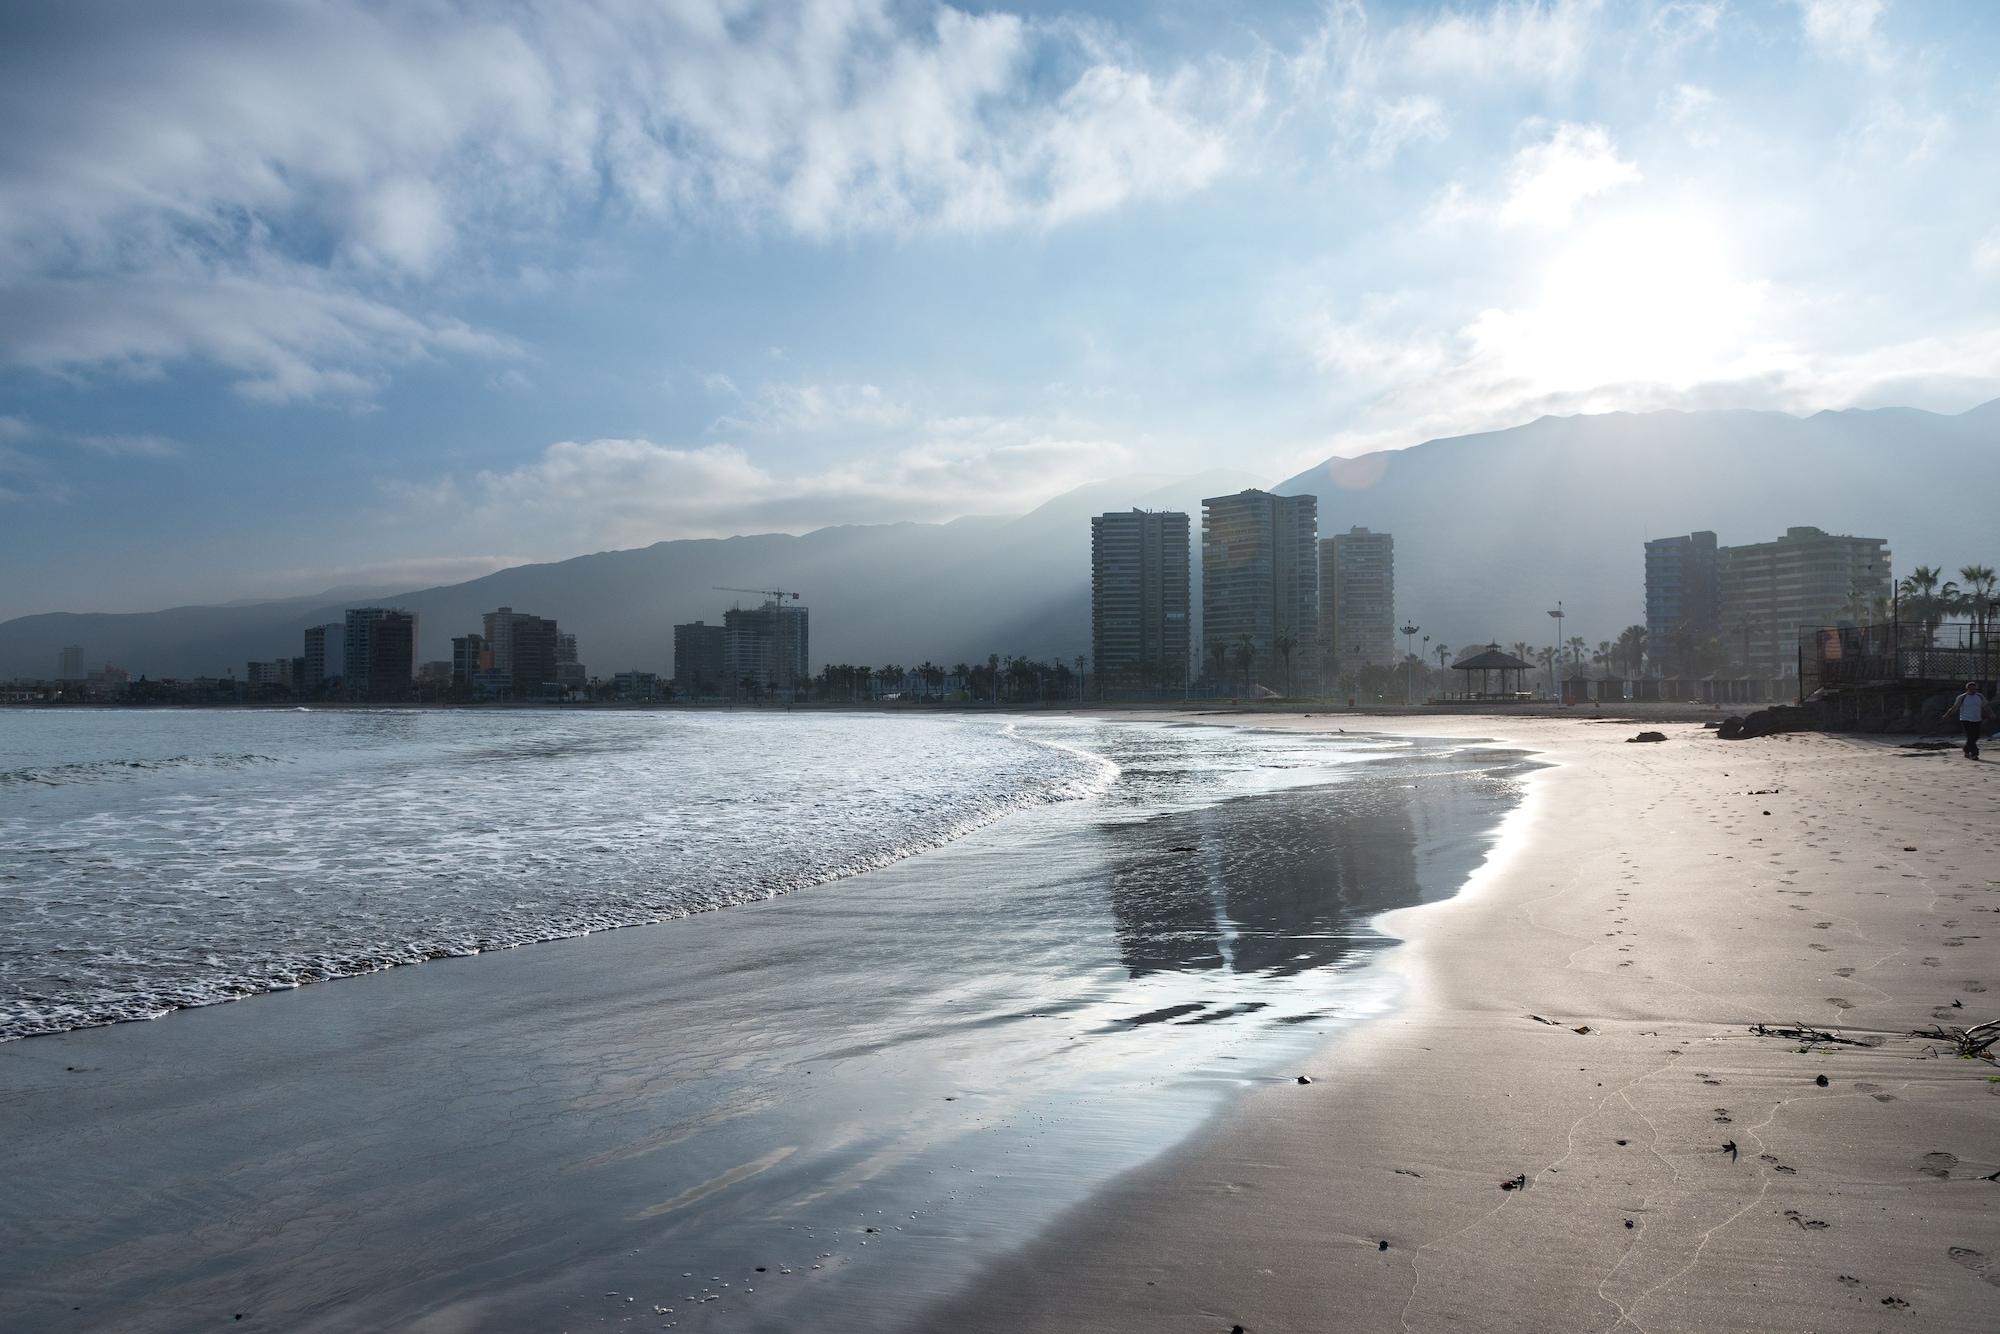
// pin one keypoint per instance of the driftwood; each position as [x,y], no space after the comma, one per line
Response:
[1810,1036]
[1970,1043]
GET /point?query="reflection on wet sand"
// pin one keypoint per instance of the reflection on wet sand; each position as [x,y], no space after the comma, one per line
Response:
[1282,882]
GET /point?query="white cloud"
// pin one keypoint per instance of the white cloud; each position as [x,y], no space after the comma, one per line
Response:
[1550,179]
[815,409]
[626,492]
[286,331]
[1986,254]
[129,446]
[369,146]
[1842,28]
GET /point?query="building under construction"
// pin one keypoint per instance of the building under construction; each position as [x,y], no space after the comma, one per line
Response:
[765,650]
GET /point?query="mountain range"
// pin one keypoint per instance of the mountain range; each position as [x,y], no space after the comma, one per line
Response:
[1491,530]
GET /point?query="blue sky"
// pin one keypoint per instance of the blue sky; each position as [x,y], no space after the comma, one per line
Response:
[302,295]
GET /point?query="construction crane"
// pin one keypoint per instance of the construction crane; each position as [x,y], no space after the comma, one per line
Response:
[775,594]
[781,676]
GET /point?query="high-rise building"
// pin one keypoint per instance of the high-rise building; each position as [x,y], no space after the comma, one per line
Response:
[698,665]
[1357,600]
[69,663]
[565,648]
[469,656]
[1683,597]
[1139,598]
[764,648]
[1801,581]
[523,649]
[1260,588]
[313,681]
[379,656]
[273,675]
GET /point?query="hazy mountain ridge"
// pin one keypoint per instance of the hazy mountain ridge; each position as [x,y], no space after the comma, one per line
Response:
[1490,530]
[900,592]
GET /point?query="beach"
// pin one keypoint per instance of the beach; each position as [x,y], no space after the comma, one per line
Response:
[825,1109]
[1578,1023]
[1157,1067]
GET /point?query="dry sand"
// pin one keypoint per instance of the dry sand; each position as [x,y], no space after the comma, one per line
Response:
[1654,902]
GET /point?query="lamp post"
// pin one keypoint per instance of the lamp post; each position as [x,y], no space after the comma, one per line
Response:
[1557,666]
[1409,662]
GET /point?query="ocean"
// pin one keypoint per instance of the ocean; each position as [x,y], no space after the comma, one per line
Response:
[903,987]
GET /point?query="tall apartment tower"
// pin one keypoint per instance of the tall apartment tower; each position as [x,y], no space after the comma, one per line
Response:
[379,657]
[1805,579]
[523,648]
[1139,598]
[764,647]
[312,679]
[1260,583]
[69,663]
[698,667]
[1357,600]
[1683,597]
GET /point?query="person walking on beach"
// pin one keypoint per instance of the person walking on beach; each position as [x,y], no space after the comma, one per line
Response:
[1972,711]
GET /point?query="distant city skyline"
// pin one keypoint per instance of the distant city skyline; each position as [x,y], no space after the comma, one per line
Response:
[536,293]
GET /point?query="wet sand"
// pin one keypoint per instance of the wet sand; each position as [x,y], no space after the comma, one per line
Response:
[1579,1022]
[822,1112]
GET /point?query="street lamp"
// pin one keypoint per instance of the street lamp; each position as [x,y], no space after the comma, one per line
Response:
[1409,662]
[1557,665]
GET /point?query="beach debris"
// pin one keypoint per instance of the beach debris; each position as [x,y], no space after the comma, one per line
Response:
[1552,1023]
[1184,847]
[1409,1172]
[1581,1028]
[1729,1147]
[1519,1182]
[1969,1044]
[1808,1035]
[1820,1080]
[1305,1079]
[1381,1245]
[1628,1222]
[1764,792]
[1647,736]
[1623,1142]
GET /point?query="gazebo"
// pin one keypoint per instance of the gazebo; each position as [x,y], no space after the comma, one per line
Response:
[1486,662]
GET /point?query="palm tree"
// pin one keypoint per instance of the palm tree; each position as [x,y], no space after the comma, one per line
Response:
[1631,649]
[1520,649]
[1603,655]
[1577,648]
[1546,658]
[1220,652]
[1284,643]
[1980,581]
[1920,590]
[1246,654]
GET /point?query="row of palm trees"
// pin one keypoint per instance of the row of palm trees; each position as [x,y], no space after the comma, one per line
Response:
[1016,679]
[1927,599]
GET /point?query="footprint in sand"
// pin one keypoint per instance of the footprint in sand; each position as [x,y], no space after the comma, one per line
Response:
[1721,1117]
[1978,1262]
[1807,1224]
[1937,1164]
[1843,972]
[1975,986]
[1875,1091]
[1821,926]
[1840,1002]
[1848,1281]
[1823,949]
[1933,963]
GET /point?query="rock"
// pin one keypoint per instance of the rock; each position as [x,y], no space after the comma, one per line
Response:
[1820,1080]
[1730,729]
[1381,1245]
[1649,736]
[1518,1183]
[1305,1079]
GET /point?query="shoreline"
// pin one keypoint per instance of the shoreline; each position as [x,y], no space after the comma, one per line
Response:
[574,1086]
[1578,1020]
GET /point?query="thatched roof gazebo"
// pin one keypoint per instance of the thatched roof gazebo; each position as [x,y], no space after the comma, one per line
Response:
[1486,662]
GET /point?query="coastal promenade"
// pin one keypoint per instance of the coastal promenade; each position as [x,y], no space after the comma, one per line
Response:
[1572,1123]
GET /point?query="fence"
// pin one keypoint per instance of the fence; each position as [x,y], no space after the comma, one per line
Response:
[1834,657]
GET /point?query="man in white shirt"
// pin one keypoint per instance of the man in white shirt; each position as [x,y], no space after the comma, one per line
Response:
[1972,711]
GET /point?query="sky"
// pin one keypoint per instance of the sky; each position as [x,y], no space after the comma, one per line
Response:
[307,295]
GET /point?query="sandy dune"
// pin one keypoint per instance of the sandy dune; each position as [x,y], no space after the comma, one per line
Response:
[1580,1020]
